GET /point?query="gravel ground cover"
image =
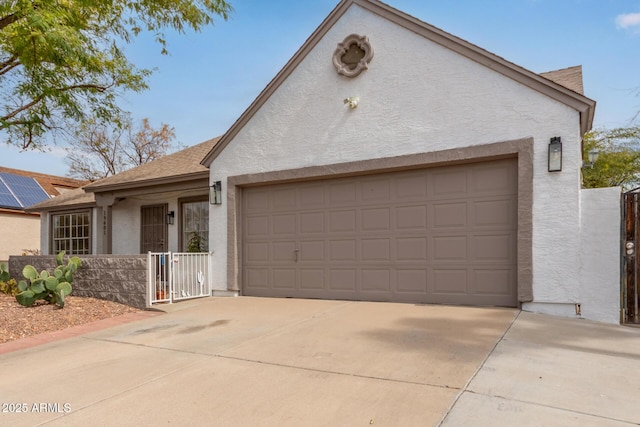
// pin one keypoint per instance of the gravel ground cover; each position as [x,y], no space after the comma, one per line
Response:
[18,322]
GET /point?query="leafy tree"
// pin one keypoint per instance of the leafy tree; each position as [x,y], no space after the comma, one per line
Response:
[100,150]
[61,60]
[619,159]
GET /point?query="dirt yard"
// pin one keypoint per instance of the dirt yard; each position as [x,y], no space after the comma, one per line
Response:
[18,322]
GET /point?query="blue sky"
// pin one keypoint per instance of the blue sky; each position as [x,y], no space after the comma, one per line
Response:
[211,77]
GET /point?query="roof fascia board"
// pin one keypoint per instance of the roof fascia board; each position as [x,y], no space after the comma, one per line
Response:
[580,103]
[18,212]
[200,184]
[62,208]
[133,185]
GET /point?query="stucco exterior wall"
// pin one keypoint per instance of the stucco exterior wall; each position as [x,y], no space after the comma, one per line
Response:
[19,232]
[416,96]
[126,219]
[600,254]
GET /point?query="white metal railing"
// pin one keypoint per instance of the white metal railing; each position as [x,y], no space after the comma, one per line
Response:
[174,276]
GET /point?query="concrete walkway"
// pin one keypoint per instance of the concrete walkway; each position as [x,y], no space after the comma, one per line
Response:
[284,362]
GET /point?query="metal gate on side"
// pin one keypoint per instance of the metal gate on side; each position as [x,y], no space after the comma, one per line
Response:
[631,260]
[175,276]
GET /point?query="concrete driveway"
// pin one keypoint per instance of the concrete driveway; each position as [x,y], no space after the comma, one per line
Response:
[274,362]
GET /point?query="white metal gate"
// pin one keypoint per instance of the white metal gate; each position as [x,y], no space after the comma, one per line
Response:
[174,276]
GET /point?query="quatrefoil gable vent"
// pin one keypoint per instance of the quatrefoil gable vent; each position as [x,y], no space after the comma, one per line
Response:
[352,55]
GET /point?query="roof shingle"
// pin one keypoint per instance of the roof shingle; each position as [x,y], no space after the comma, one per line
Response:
[570,77]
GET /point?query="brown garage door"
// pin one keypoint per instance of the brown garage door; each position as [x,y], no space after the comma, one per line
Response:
[437,235]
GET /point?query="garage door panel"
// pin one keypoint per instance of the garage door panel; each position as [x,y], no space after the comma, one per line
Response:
[411,281]
[283,224]
[312,222]
[375,190]
[342,250]
[375,280]
[312,279]
[449,248]
[493,213]
[284,199]
[257,226]
[493,282]
[256,201]
[283,278]
[436,235]
[343,279]
[411,249]
[450,281]
[257,278]
[493,248]
[494,179]
[449,215]
[257,252]
[312,196]
[449,183]
[342,194]
[375,219]
[312,251]
[411,218]
[411,186]
[375,250]
[342,221]
[283,251]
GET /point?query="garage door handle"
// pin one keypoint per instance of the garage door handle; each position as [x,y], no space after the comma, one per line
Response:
[296,251]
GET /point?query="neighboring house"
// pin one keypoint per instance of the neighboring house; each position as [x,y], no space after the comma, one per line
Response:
[19,189]
[387,161]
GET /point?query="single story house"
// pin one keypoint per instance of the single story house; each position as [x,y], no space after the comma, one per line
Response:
[19,189]
[387,161]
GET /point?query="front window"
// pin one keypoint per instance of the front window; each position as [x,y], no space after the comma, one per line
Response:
[71,232]
[195,226]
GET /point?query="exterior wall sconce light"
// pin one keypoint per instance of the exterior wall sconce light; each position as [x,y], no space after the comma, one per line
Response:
[555,154]
[592,155]
[215,193]
[171,217]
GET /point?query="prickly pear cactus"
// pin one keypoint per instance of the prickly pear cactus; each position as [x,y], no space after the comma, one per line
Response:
[50,287]
[4,273]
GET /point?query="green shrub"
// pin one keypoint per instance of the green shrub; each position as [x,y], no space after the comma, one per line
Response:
[4,273]
[49,287]
[10,287]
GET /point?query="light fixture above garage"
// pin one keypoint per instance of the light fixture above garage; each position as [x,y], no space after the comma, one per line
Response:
[215,193]
[555,154]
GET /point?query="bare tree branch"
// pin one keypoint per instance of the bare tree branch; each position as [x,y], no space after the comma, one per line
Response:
[8,65]
[39,99]
[5,21]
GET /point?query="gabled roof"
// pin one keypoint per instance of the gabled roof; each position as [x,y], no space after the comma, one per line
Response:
[185,165]
[547,86]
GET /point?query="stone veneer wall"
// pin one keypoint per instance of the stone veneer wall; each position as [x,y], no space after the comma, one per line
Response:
[119,278]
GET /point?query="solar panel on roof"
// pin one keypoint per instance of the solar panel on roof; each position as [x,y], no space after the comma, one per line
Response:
[7,200]
[24,189]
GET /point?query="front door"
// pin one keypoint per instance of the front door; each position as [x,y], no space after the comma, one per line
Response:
[154,229]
